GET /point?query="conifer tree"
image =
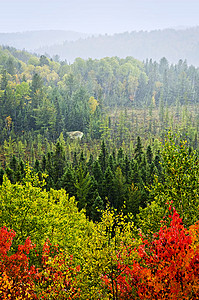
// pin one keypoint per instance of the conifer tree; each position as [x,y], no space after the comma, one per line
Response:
[97,208]
[108,186]
[149,154]
[138,150]
[13,163]
[98,175]
[68,181]
[103,157]
[1,175]
[58,164]
[83,186]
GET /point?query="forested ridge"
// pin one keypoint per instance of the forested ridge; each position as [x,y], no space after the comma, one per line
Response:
[174,44]
[31,40]
[113,215]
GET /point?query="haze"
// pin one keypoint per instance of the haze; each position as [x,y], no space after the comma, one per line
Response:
[101,16]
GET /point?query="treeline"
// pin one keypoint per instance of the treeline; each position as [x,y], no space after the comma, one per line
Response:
[141,45]
[31,40]
[39,95]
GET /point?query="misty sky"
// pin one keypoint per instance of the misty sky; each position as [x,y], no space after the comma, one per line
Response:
[97,16]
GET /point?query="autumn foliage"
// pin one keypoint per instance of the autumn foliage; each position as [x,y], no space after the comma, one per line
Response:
[57,278]
[167,267]
[17,277]
[18,280]
[164,266]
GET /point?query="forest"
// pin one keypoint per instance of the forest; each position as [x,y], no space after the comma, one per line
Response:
[112,214]
[171,43]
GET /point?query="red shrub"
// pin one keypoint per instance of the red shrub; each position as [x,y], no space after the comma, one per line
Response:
[167,267]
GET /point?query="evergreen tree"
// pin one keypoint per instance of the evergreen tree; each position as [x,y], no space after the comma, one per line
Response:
[13,163]
[103,157]
[138,150]
[59,125]
[111,163]
[97,208]
[11,174]
[68,181]
[127,170]
[149,154]
[37,167]
[133,200]
[1,175]
[43,163]
[4,79]
[108,186]
[83,186]
[36,90]
[59,163]
[97,172]
[119,188]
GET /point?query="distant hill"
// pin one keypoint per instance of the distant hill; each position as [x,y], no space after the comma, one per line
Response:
[31,40]
[174,44]
[171,43]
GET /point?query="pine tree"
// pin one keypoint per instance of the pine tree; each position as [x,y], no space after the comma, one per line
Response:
[37,167]
[68,181]
[1,175]
[13,163]
[108,186]
[43,163]
[59,122]
[138,150]
[149,155]
[120,189]
[83,186]
[103,157]
[97,208]
[127,170]
[97,172]
[59,163]
[111,163]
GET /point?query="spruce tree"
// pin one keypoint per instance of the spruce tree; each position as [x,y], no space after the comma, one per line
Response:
[138,150]
[97,208]
[149,155]
[103,157]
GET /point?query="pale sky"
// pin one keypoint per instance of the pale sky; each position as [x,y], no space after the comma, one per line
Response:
[97,16]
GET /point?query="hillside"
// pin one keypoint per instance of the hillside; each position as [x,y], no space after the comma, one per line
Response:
[171,43]
[30,40]
[79,216]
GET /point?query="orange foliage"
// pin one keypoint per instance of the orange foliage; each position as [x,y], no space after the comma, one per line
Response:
[167,267]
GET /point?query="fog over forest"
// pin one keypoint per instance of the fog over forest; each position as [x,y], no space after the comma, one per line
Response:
[99,149]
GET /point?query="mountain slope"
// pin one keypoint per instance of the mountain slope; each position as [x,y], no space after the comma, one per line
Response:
[31,40]
[171,43]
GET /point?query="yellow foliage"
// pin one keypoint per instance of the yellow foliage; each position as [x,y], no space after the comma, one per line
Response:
[99,254]
[93,103]
[8,121]
[194,231]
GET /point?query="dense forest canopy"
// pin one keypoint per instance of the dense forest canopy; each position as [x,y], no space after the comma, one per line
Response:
[78,216]
[111,102]
[38,94]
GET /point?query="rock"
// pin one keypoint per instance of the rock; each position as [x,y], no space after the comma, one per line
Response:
[75,134]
